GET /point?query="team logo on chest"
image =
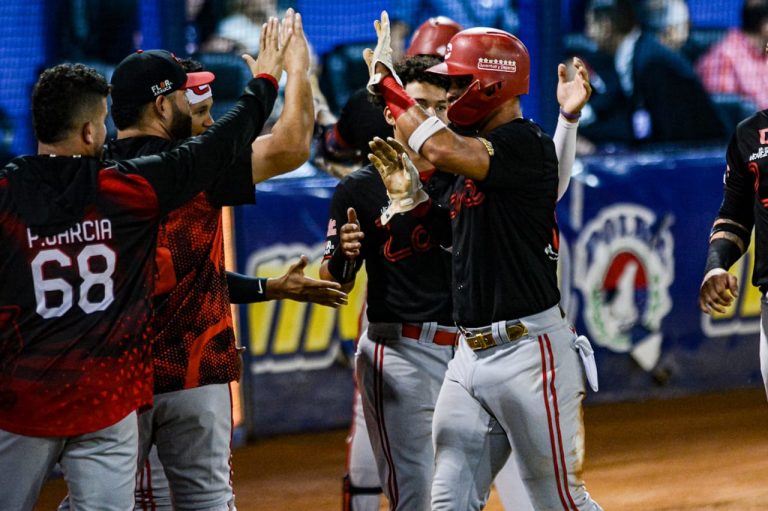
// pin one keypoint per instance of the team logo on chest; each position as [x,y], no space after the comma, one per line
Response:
[624,266]
[468,197]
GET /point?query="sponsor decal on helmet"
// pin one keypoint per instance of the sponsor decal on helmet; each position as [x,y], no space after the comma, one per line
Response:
[501,65]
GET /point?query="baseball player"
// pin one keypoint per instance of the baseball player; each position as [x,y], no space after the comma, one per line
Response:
[744,206]
[152,487]
[399,258]
[78,240]
[194,350]
[361,486]
[399,419]
[517,377]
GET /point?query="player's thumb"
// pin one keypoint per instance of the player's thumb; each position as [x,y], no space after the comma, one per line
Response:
[562,72]
[351,216]
[733,285]
[298,266]
[250,61]
[368,56]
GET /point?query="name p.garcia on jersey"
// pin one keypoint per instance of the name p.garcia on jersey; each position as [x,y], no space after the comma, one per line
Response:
[88,230]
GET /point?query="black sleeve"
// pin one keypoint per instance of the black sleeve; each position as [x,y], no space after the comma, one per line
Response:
[234,186]
[179,175]
[337,216]
[244,289]
[738,189]
[523,155]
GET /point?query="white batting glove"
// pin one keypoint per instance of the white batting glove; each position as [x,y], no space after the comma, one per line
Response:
[381,54]
[400,177]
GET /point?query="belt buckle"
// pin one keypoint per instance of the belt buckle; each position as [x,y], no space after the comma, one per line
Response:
[479,340]
[516,331]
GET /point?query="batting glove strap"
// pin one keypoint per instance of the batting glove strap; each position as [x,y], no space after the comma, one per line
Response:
[403,205]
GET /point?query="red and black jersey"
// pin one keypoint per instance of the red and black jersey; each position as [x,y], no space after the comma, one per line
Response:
[505,234]
[408,271]
[192,331]
[77,250]
[745,199]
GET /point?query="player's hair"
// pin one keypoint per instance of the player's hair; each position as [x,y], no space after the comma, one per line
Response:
[414,69]
[753,14]
[63,95]
[191,65]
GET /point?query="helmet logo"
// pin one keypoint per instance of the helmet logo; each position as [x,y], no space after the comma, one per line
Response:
[500,65]
[448,50]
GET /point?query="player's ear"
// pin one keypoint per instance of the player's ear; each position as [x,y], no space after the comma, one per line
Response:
[88,133]
[388,116]
[162,106]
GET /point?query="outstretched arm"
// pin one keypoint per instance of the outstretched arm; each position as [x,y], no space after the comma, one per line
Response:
[288,145]
[294,285]
[572,95]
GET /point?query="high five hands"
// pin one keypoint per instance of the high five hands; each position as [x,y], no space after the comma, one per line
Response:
[400,176]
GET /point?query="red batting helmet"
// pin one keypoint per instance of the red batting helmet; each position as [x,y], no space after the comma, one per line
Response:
[432,36]
[499,65]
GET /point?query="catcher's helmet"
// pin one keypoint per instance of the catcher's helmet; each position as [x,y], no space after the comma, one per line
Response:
[499,65]
[432,36]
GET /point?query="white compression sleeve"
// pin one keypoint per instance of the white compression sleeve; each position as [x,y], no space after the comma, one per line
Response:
[565,147]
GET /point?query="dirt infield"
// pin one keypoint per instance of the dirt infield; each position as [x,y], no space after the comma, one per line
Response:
[698,453]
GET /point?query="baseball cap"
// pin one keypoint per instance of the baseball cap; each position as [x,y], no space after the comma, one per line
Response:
[144,75]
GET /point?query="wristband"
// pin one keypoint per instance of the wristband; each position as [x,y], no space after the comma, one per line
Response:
[426,129]
[395,96]
[568,116]
[341,268]
[273,80]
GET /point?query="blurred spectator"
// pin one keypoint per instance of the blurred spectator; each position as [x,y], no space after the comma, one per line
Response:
[669,21]
[202,17]
[643,91]
[240,29]
[100,31]
[406,15]
[737,64]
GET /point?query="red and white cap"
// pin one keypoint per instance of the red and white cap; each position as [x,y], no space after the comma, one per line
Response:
[199,93]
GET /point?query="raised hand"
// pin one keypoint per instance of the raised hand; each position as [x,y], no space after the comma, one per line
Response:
[573,94]
[379,60]
[717,291]
[351,235]
[294,285]
[271,54]
[399,174]
[297,56]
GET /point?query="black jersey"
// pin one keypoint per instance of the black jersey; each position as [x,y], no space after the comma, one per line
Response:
[745,196]
[505,234]
[408,271]
[77,251]
[191,328]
